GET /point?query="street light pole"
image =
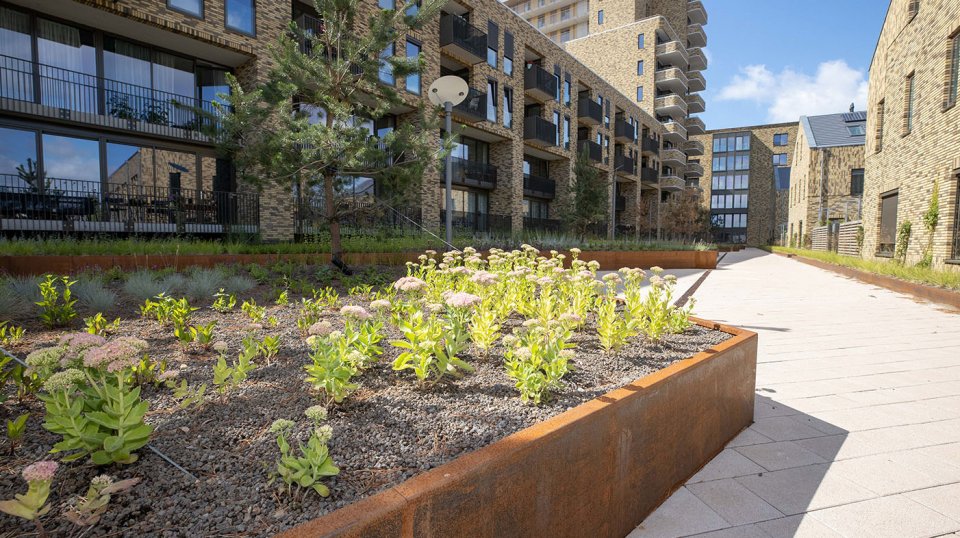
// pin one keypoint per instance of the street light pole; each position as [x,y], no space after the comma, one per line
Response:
[448,92]
[448,183]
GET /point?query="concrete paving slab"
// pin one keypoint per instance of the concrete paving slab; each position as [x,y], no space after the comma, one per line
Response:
[734,503]
[743,531]
[886,517]
[883,474]
[780,455]
[683,514]
[801,489]
[749,437]
[942,499]
[727,464]
[785,429]
[799,526]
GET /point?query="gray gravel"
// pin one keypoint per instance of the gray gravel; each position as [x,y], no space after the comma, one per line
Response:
[387,431]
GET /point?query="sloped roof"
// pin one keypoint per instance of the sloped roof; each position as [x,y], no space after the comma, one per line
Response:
[831,130]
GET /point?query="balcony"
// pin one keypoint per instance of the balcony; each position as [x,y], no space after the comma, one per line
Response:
[472,174]
[696,36]
[649,145]
[589,112]
[623,131]
[310,26]
[673,157]
[469,222]
[672,183]
[532,224]
[698,62]
[694,126]
[695,103]
[461,40]
[625,166]
[674,132]
[696,82]
[648,175]
[539,187]
[60,94]
[539,131]
[473,109]
[539,84]
[693,169]
[593,150]
[78,206]
[693,147]
[673,53]
[620,203]
[672,79]
[696,13]
[671,105]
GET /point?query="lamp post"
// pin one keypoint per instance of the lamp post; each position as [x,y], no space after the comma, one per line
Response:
[448,92]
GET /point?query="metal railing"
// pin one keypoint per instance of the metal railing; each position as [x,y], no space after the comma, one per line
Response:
[474,106]
[360,216]
[624,131]
[532,224]
[539,129]
[537,79]
[588,109]
[593,150]
[471,173]
[456,32]
[478,222]
[75,96]
[649,175]
[650,144]
[71,205]
[625,165]
[538,186]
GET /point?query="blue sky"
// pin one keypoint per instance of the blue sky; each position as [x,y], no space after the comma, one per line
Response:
[775,60]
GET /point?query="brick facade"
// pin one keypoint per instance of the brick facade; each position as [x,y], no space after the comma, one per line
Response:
[910,162]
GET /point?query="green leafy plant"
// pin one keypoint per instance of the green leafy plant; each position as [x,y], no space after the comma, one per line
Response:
[224,302]
[187,396]
[203,334]
[256,313]
[903,242]
[33,503]
[227,377]
[931,218]
[15,431]
[314,462]
[87,510]
[332,368]
[425,350]
[269,347]
[537,358]
[283,298]
[10,334]
[56,305]
[146,370]
[98,325]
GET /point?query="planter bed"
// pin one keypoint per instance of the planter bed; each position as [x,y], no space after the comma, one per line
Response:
[611,447]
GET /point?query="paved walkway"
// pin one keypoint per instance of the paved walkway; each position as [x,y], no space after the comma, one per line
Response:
[857,424]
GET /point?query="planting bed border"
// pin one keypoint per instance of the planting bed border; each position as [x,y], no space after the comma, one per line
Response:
[930,293]
[40,264]
[598,469]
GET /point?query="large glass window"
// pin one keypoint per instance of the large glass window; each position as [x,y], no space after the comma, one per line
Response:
[491,100]
[70,163]
[467,201]
[954,80]
[856,182]
[386,68]
[413,79]
[780,139]
[241,16]
[19,169]
[470,149]
[127,69]
[68,66]
[536,209]
[779,159]
[888,223]
[508,107]
[857,130]
[190,7]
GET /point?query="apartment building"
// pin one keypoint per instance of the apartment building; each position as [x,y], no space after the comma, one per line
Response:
[560,20]
[746,180]
[87,110]
[913,138]
[827,181]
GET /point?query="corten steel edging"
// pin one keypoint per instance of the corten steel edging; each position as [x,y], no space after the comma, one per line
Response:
[922,291]
[40,264]
[598,469]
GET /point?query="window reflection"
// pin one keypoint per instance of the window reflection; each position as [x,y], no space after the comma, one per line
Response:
[18,160]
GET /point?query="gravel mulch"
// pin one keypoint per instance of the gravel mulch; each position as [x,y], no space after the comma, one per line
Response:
[384,433]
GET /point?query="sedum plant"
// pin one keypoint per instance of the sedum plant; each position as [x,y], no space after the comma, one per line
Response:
[87,510]
[334,365]
[33,504]
[57,301]
[537,358]
[314,462]
[612,327]
[425,351]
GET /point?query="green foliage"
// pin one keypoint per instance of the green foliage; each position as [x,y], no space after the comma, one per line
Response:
[257,314]
[269,347]
[903,242]
[258,272]
[187,395]
[332,368]
[57,301]
[32,504]
[484,327]
[91,293]
[224,302]
[922,275]
[590,203]
[612,328]
[203,334]
[227,377]
[283,298]
[87,510]
[426,349]
[15,431]
[312,465]
[167,310]
[537,359]
[930,220]
[147,370]
[10,334]
[98,325]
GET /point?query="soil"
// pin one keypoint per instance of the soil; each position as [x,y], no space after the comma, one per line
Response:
[387,431]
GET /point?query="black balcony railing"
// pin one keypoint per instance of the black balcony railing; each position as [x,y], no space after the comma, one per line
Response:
[620,203]
[651,145]
[312,26]
[593,150]
[461,39]
[623,131]
[474,106]
[532,224]
[539,83]
[362,215]
[649,175]
[589,111]
[466,221]
[538,129]
[70,205]
[625,165]
[539,187]
[33,88]
[471,173]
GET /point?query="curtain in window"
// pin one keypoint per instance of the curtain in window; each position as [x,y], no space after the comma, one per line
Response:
[126,68]
[68,66]
[15,55]
[173,80]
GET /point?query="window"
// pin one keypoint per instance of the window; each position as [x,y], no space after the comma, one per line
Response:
[493,43]
[536,209]
[565,36]
[600,17]
[508,53]
[564,13]
[508,107]
[743,142]
[879,133]
[492,101]
[540,21]
[467,202]
[913,7]
[639,41]
[566,132]
[387,4]
[639,67]
[606,150]
[779,159]
[556,122]
[719,164]
[954,67]
[413,9]
[856,182]
[780,139]
[908,105]
[557,74]
[888,223]
[743,162]
[639,93]
[386,68]
[719,145]
[857,130]
[190,7]
[566,89]
[241,16]
[413,79]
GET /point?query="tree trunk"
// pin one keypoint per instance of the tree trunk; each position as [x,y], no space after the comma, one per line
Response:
[330,208]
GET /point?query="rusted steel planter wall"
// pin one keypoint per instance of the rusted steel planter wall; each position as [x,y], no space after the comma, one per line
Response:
[598,469]
[35,265]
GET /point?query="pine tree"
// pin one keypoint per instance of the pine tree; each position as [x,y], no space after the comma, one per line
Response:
[590,196]
[302,128]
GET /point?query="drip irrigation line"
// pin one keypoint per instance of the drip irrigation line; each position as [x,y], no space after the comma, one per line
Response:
[151,447]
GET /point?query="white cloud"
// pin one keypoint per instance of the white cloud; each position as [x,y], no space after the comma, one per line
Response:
[790,94]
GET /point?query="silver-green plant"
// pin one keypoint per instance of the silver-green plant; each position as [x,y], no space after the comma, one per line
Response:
[87,510]
[425,350]
[203,283]
[94,296]
[333,366]
[144,285]
[33,504]
[314,463]
[537,358]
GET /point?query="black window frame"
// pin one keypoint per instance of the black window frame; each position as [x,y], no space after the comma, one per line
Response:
[953,77]
[406,53]
[887,249]
[493,44]
[182,11]
[856,181]
[253,13]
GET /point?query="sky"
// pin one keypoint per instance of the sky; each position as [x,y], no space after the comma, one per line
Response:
[772,61]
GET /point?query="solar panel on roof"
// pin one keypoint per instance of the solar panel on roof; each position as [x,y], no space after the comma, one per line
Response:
[854,116]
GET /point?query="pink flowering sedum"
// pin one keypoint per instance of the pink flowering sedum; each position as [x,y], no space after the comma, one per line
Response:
[116,354]
[320,328]
[355,312]
[40,471]
[409,283]
[484,278]
[380,304]
[462,299]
